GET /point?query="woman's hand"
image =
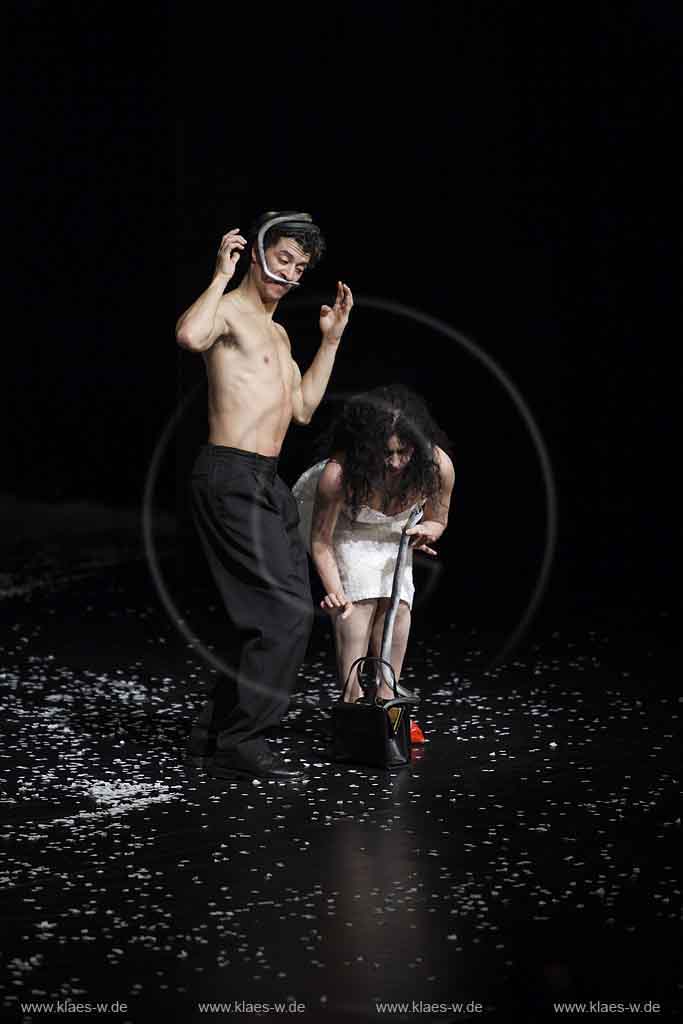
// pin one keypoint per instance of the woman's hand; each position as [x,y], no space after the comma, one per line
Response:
[424,534]
[337,605]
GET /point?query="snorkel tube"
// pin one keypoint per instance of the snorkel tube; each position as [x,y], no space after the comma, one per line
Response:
[290,218]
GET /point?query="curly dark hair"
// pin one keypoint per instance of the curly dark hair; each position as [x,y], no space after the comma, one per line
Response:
[308,236]
[361,432]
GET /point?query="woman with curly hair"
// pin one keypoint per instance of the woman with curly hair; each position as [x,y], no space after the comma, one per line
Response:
[385,454]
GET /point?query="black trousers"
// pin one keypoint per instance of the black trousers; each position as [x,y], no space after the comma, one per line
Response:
[247,520]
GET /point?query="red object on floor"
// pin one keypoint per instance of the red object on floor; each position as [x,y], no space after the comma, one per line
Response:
[416,734]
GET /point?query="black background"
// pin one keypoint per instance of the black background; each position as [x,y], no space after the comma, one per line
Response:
[509,168]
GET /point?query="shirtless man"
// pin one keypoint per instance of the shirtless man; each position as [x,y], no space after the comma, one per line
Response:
[246,516]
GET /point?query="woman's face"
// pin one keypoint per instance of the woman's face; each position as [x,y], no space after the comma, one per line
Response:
[397,455]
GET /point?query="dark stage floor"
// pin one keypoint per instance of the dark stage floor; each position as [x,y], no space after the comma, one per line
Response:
[529,856]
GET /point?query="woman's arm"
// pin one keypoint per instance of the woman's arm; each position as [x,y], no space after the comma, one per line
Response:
[435,514]
[328,502]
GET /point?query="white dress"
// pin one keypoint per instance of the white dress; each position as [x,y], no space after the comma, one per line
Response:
[365,547]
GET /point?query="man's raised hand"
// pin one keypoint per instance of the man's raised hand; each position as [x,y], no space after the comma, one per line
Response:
[229,251]
[333,319]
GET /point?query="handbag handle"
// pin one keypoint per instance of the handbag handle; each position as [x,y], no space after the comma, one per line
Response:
[362,660]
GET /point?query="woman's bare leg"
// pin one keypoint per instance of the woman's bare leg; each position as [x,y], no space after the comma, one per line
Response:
[351,637]
[399,641]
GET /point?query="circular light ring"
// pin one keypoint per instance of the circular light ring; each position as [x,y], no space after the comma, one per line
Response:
[437,325]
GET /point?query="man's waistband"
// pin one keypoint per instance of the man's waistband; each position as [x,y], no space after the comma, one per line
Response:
[265,464]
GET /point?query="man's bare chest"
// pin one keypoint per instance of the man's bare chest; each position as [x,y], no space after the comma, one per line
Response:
[262,351]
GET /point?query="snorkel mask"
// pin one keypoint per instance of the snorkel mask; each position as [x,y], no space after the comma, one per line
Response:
[291,218]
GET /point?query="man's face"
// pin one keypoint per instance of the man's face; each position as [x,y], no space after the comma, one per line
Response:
[397,455]
[287,259]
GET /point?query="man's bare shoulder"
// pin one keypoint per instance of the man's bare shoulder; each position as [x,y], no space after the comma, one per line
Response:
[228,309]
[227,323]
[283,334]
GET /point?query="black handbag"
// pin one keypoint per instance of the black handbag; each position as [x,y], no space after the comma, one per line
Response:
[371,731]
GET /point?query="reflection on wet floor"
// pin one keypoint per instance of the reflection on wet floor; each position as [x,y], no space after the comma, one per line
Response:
[529,855]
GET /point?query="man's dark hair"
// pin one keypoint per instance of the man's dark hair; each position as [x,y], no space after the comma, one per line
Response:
[361,432]
[307,235]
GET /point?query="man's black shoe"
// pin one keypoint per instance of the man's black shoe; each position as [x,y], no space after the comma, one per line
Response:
[261,765]
[200,761]
[200,748]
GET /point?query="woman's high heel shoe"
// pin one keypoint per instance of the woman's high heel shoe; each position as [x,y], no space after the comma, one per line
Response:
[416,734]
